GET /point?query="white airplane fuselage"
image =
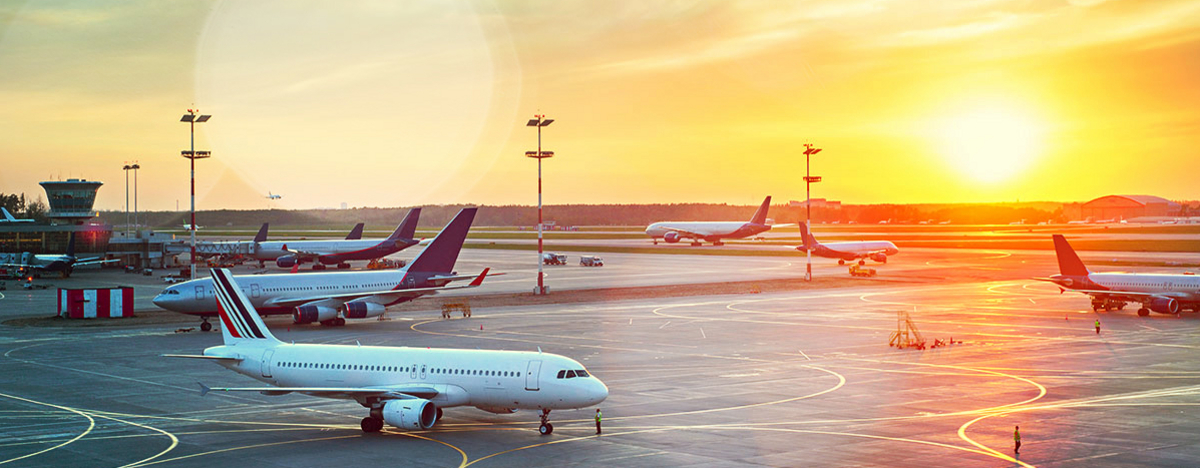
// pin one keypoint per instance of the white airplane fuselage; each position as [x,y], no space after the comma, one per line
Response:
[198,297]
[271,250]
[714,230]
[855,250]
[493,380]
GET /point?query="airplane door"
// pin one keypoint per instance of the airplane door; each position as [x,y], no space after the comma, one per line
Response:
[531,375]
[266,362]
[422,372]
[199,293]
[255,291]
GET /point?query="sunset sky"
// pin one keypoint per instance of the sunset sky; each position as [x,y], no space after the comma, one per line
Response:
[388,103]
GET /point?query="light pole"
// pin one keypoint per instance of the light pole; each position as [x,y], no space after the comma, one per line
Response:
[126,169]
[192,119]
[539,121]
[135,168]
[808,181]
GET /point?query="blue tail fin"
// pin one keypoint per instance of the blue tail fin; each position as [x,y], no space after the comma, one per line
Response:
[407,228]
[71,245]
[356,233]
[760,216]
[442,253]
[262,233]
[1069,263]
[7,216]
[239,320]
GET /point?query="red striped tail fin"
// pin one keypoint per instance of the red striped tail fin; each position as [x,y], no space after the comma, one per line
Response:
[239,319]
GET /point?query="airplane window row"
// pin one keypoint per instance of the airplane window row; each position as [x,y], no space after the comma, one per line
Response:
[570,374]
[474,372]
[482,373]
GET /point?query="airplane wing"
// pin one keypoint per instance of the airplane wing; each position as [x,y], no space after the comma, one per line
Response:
[382,297]
[305,254]
[397,392]
[94,261]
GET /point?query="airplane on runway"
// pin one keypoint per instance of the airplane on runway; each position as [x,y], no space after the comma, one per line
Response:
[9,218]
[336,252]
[332,297]
[847,251]
[1157,292]
[24,263]
[403,387]
[711,231]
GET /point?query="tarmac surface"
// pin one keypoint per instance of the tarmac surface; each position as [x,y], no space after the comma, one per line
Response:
[801,378]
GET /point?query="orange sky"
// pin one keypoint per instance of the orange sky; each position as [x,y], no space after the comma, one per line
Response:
[401,103]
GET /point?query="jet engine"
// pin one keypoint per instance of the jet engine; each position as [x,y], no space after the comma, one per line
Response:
[671,237]
[497,410]
[359,310]
[1164,305]
[413,414]
[286,261]
[310,314]
[879,257]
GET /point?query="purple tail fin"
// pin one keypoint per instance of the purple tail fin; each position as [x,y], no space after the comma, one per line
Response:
[442,253]
[356,233]
[407,228]
[760,216]
[1069,263]
[262,233]
[810,242]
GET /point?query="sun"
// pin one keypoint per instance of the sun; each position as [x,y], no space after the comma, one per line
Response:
[990,144]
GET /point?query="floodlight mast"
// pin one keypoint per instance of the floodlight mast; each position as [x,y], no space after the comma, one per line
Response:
[539,121]
[808,181]
[192,119]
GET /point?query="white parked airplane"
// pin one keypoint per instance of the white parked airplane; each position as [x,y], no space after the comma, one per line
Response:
[1162,293]
[847,251]
[711,231]
[336,252]
[331,298]
[9,218]
[403,387]
[21,264]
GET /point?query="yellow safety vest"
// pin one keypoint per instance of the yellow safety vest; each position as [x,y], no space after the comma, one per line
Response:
[598,416]
[1016,436]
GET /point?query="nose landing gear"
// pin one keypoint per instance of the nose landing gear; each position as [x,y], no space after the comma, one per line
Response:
[204,325]
[546,428]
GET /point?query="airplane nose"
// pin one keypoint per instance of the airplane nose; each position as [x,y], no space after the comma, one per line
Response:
[159,300]
[598,393]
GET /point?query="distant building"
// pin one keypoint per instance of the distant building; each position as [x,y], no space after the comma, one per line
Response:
[1118,207]
[70,209]
[818,203]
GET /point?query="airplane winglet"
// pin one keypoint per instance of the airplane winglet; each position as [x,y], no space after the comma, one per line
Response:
[479,280]
[203,388]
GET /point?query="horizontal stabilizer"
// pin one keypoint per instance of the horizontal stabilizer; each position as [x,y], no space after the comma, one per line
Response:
[197,356]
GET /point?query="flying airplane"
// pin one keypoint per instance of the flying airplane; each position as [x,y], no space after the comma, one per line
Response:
[337,252]
[847,251]
[711,231]
[1162,293]
[332,297]
[403,387]
[9,218]
[25,263]
[272,196]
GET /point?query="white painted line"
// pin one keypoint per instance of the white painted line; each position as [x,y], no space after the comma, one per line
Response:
[660,327]
[802,354]
[702,334]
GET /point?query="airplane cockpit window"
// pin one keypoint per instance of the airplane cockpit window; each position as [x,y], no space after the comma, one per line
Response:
[562,373]
[581,373]
[570,374]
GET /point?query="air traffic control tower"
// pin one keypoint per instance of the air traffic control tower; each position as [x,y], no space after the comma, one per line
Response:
[71,200]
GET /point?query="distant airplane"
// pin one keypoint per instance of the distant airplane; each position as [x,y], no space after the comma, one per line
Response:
[847,251]
[188,227]
[711,231]
[1162,293]
[337,252]
[331,298]
[9,218]
[273,196]
[24,263]
[401,386]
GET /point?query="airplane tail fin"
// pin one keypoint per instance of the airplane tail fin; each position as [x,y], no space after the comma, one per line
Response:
[1069,263]
[356,233]
[239,320]
[442,253]
[810,242]
[760,216]
[7,215]
[407,228]
[71,245]
[262,233]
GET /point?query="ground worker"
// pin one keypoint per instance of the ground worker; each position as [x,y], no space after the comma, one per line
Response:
[598,417]
[1017,439]
[1097,326]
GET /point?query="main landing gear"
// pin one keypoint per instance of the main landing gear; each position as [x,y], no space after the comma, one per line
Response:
[204,325]
[1143,312]
[337,322]
[371,424]
[546,428]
